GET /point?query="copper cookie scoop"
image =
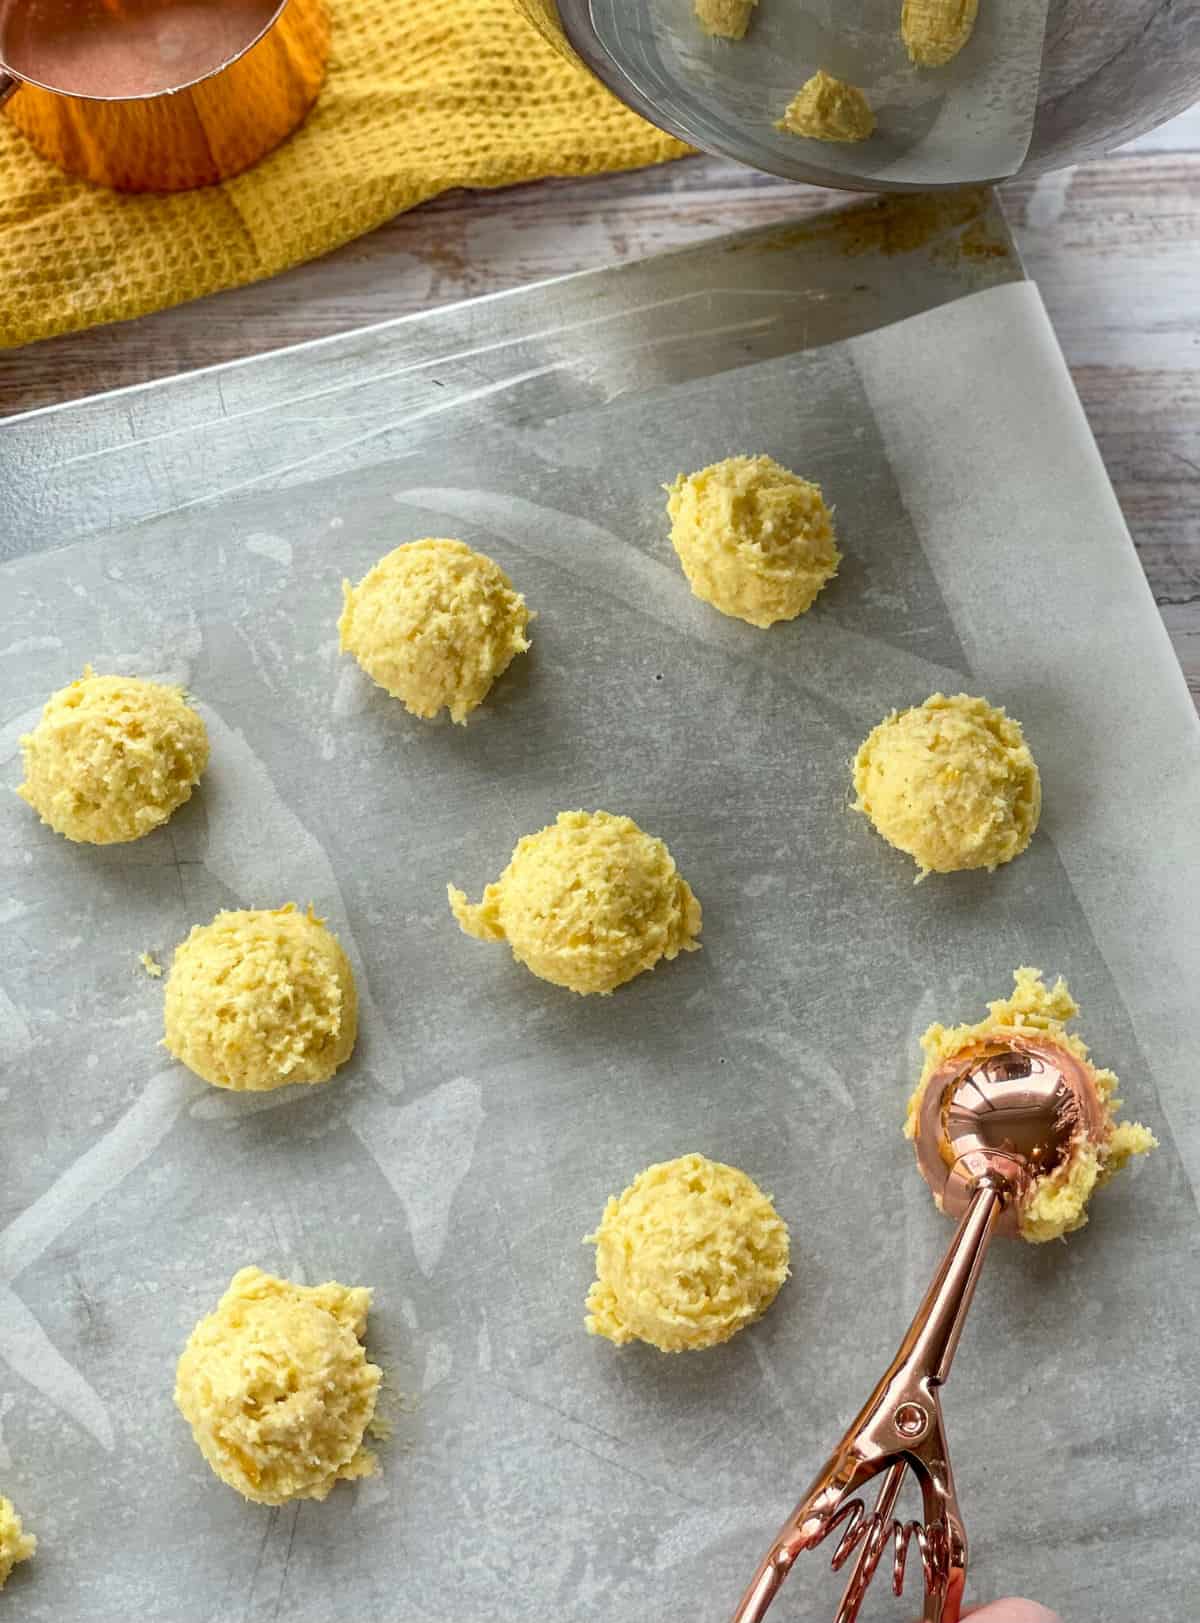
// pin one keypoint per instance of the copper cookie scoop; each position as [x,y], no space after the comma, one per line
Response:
[994,1117]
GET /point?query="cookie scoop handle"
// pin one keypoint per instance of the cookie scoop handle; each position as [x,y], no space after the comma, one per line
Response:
[993,1117]
[899,1427]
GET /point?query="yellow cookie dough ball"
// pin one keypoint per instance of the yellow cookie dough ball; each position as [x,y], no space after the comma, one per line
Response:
[257,999]
[724,19]
[687,1256]
[935,31]
[434,623]
[754,540]
[15,1544]
[951,782]
[277,1389]
[828,109]
[587,903]
[112,758]
[1056,1203]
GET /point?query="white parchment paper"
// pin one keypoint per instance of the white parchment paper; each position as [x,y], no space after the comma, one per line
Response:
[456,1163]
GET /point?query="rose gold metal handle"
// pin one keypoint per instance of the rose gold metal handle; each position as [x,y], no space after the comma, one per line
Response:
[899,1427]
[927,1351]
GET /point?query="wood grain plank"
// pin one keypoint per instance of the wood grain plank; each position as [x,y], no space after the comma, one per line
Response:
[457,247]
[463,245]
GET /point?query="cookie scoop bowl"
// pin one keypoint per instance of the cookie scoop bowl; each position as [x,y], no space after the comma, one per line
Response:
[1014,1110]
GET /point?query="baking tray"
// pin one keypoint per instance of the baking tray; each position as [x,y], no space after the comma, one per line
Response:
[198,530]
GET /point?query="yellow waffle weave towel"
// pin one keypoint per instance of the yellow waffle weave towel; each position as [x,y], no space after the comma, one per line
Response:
[422,96]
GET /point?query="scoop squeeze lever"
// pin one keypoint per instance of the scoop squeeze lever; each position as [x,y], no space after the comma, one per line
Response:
[993,1117]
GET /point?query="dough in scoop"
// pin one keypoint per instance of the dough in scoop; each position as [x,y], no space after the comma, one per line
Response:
[828,109]
[951,782]
[755,540]
[687,1256]
[112,757]
[277,1388]
[258,999]
[587,903]
[1055,1204]
[15,1543]
[434,623]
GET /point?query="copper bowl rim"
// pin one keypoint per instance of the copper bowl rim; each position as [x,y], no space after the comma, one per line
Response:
[6,68]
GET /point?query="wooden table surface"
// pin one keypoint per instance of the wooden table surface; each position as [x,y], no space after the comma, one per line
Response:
[1114,246]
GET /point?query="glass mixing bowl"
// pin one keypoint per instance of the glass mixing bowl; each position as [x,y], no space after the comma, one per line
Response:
[1038,84]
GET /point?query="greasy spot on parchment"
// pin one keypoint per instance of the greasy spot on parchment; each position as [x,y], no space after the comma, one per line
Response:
[892,225]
